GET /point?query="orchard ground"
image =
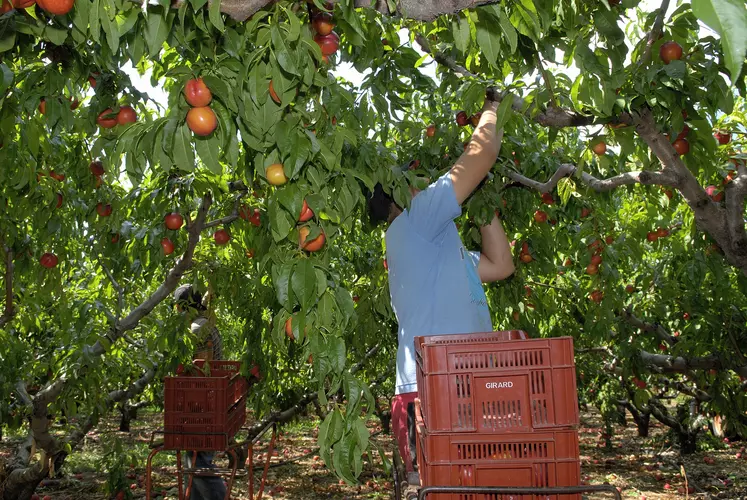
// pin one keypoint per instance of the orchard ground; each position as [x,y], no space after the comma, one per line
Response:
[641,467]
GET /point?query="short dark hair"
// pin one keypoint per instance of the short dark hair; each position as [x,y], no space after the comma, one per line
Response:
[187,297]
[379,205]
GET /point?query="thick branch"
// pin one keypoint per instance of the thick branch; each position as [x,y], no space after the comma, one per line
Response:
[9,311]
[600,185]
[75,437]
[645,177]
[420,10]
[172,280]
[653,35]
[660,412]
[656,328]
[736,191]
[563,170]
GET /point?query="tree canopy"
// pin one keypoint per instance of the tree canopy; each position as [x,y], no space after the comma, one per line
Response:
[622,188]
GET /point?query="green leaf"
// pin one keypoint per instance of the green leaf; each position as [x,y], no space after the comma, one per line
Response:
[209,151]
[156,31]
[284,57]
[183,155]
[8,41]
[460,32]
[508,30]
[281,281]
[55,35]
[729,19]
[95,21]
[489,42]
[7,78]
[280,222]
[294,30]
[566,187]
[303,282]
[504,110]
[216,18]
[81,15]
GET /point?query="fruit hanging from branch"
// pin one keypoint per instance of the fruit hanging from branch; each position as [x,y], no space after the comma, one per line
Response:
[196,93]
[57,7]
[96,168]
[273,94]
[328,43]
[323,23]
[722,137]
[313,245]
[275,174]
[221,237]
[599,148]
[103,210]
[167,245]
[462,119]
[48,260]
[430,131]
[670,51]
[202,121]
[173,220]
[682,146]
[306,213]
[126,115]
[107,119]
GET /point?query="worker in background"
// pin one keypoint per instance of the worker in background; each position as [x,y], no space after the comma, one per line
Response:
[209,347]
[434,282]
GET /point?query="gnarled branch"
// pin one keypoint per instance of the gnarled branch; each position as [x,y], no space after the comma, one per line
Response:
[660,331]
[9,311]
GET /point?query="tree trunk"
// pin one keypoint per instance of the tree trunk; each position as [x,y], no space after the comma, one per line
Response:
[20,491]
[642,421]
[688,442]
[129,413]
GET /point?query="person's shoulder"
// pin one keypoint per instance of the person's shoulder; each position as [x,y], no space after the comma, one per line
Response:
[198,323]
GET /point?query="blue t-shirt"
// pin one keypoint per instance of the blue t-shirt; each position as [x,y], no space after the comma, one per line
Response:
[433,280]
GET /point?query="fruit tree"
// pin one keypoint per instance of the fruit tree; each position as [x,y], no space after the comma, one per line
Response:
[622,180]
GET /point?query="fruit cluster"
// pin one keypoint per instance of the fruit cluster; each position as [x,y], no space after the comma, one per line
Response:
[323,24]
[201,118]
[55,7]
[109,119]
[463,119]
[654,236]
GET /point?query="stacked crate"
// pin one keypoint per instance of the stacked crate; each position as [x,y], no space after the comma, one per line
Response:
[205,412]
[496,409]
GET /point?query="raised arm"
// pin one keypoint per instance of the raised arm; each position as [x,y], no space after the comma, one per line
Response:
[496,262]
[479,157]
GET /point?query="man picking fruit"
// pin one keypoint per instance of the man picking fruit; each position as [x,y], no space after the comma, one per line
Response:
[434,282]
[188,301]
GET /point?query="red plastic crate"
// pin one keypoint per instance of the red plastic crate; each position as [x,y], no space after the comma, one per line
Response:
[496,382]
[538,459]
[204,413]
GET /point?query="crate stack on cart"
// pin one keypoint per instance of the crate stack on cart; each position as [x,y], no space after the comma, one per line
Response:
[204,412]
[497,409]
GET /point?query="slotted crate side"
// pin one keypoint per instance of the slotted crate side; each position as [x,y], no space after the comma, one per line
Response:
[431,352]
[537,474]
[508,402]
[494,448]
[203,432]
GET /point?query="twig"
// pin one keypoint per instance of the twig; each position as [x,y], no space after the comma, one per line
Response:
[563,170]
[548,81]
[653,35]
[118,288]
[234,214]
